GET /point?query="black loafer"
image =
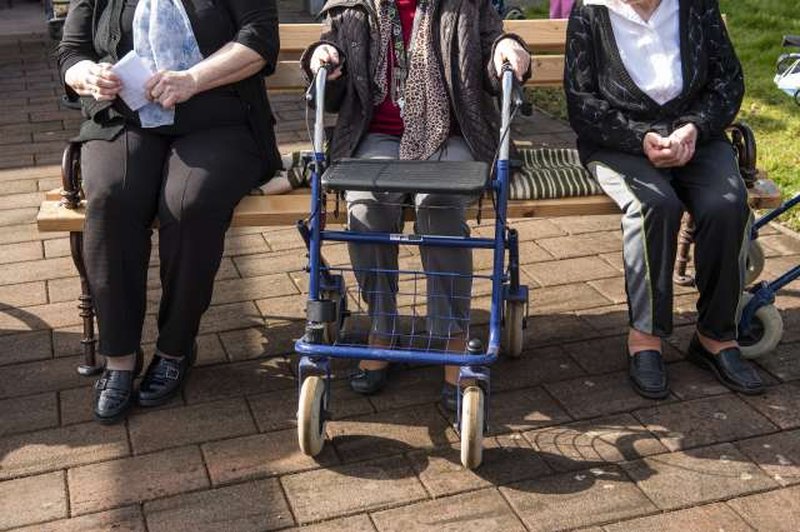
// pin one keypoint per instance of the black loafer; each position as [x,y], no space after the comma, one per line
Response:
[164,379]
[113,394]
[648,374]
[729,367]
[449,397]
[369,381]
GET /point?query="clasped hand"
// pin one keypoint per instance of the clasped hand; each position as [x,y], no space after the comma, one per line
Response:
[673,151]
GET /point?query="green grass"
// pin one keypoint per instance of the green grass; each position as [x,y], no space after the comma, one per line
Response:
[757,28]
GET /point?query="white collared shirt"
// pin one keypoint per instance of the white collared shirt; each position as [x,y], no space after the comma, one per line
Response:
[650,50]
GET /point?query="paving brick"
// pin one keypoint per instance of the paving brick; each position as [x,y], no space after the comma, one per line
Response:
[17,216]
[32,500]
[27,414]
[264,264]
[255,506]
[582,245]
[128,519]
[777,454]
[594,443]
[607,320]
[536,366]
[75,405]
[22,295]
[710,518]
[408,387]
[284,239]
[236,379]
[549,329]
[249,288]
[697,476]
[357,523]
[106,485]
[67,340]
[39,317]
[280,309]
[56,247]
[506,459]
[526,409]
[343,490]
[570,271]
[209,350]
[784,362]
[175,427]
[52,449]
[38,270]
[776,511]
[703,422]
[66,289]
[276,338]
[597,395]
[262,455]
[232,316]
[687,381]
[529,229]
[779,244]
[576,225]
[483,510]
[605,355]
[558,299]
[25,347]
[781,404]
[575,500]
[38,377]
[390,432]
[21,251]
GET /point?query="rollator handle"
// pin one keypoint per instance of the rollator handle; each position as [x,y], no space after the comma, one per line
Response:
[518,100]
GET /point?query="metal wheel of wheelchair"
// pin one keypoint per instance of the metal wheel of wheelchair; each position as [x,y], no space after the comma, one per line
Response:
[513,333]
[513,13]
[311,415]
[472,423]
[765,332]
[755,262]
[334,329]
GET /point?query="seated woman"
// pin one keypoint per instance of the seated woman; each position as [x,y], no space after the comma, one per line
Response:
[184,160]
[651,86]
[412,81]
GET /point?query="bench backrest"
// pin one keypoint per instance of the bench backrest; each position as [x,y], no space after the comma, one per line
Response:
[546,39]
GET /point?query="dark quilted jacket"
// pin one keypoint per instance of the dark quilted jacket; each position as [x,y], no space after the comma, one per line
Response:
[608,110]
[466,30]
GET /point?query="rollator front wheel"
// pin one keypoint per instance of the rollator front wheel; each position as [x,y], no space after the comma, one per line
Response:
[765,331]
[513,329]
[755,262]
[472,424]
[333,329]
[311,416]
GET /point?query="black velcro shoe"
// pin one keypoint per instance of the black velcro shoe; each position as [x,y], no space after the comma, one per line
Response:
[369,381]
[164,379]
[113,393]
[728,366]
[648,374]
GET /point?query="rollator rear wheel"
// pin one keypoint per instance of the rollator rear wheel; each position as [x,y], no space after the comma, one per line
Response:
[513,333]
[334,329]
[755,262]
[765,332]
[472,424]
[311,416]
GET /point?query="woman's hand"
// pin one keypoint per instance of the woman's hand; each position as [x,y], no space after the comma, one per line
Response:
[88,78]
[512,51]
[686,135]
[169,88]
[663,152]
[325,54]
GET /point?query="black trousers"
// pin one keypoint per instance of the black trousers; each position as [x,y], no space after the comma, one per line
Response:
[652,200]
[190,184]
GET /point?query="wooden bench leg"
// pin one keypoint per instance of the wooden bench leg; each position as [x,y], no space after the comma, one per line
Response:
[89,366]
[685,241]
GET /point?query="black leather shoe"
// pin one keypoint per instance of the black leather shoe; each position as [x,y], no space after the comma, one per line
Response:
[164,379]
[113,393]
[449,397]
[369,381]
[729,367]
[648,374]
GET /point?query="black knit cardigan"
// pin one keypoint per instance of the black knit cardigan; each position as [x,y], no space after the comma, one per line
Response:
[609,111]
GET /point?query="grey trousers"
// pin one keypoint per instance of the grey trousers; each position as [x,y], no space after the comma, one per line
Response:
[652,200]
[436,214]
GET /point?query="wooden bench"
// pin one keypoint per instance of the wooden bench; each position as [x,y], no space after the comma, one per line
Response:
[63,209]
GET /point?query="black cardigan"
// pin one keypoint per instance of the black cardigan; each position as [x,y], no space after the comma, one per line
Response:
[608,110]
[93,31]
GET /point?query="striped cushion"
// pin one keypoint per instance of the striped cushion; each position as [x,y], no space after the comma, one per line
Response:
[551,173]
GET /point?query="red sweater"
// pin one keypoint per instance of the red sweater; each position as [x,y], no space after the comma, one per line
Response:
[386,116]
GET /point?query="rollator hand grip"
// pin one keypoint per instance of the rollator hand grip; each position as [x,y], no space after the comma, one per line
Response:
[518,100]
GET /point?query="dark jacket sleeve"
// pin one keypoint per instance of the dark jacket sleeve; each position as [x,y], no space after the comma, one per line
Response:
[334,90]
[717,105]
[590,114]
[491,28]
[257,28]
[76,42]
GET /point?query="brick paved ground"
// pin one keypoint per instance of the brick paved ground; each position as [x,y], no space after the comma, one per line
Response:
[572,446]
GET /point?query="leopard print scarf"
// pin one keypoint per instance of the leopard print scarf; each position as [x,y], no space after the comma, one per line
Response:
[426,112]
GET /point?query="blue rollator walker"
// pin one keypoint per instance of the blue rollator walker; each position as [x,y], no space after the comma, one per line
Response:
[327,307]
[760,323]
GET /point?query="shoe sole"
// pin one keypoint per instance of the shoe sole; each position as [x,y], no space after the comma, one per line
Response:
[710,366]
[646,394]
[115,419]
[149,403]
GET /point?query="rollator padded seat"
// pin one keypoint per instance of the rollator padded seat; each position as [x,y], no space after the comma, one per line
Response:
[551,173]
[387,175]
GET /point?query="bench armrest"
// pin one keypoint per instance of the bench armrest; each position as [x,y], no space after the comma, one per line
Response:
[71,176]
[744,142]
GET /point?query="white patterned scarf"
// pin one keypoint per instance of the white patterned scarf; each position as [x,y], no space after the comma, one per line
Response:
[164,39]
